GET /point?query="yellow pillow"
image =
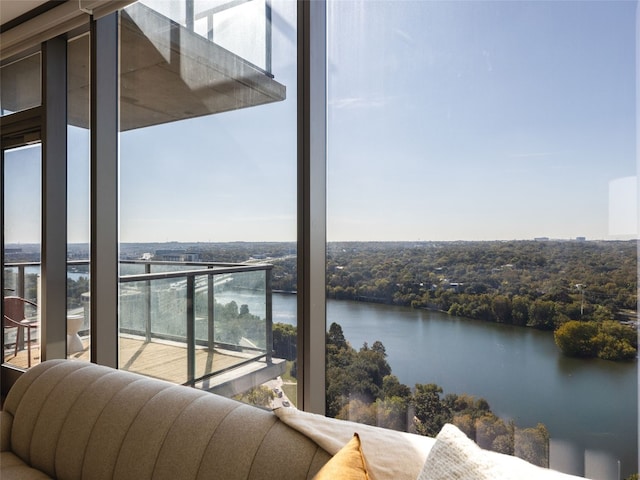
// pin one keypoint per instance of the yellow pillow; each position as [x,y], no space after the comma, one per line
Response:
[347,464]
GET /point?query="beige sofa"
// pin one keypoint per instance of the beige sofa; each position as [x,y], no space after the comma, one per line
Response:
[75,420]
[70,420]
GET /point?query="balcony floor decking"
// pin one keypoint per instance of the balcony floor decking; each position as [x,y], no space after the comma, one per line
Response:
[159,359]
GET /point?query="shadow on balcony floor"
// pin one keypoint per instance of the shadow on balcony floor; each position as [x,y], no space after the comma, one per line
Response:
[167,360]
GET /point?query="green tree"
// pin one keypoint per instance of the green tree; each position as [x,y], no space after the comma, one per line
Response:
[611,347]
[608,340]
[391,387]
[502,309]
[392,413]
[285,341]
[532,445]
[520,310]
[430,413]
[542,315]
[576,339]
[358,411]
[335,337]
[489,427]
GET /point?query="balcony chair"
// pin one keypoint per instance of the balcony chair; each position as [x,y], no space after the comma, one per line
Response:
[14,317]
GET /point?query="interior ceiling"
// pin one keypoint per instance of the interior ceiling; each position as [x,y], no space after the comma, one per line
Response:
[11,9]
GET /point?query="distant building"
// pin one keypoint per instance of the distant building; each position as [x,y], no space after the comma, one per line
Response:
[541,239]
[581,239]
[176,255]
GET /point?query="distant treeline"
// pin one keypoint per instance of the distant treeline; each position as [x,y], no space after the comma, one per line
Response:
[529,283]
[540,284]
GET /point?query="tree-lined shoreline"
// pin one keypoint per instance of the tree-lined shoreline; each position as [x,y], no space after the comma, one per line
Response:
[583,291]
[539,284]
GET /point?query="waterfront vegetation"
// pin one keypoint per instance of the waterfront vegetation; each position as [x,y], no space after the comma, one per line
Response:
[539,284]
[543,284]
[361,387]
[608,340]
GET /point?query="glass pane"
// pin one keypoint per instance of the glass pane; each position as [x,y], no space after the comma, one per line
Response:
[482,225]
[21,86]
[243,28]
[22,202]
[78,199]
[208,199]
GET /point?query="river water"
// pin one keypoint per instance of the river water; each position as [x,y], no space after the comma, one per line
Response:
[590,407]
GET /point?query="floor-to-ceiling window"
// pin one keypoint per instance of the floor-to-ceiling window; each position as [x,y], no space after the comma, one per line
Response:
[21,213]
[481,255]
[208,195]
[78,197]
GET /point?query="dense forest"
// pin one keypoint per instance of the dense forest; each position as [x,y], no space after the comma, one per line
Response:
[584,280]
[539,284]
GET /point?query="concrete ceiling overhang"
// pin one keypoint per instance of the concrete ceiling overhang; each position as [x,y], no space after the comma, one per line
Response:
[167,73]
[12,9]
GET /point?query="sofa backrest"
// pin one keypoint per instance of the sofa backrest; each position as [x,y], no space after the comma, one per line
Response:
[73,420]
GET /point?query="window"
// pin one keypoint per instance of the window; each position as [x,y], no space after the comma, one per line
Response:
[78,198]
[22,233]
[473,151]
[208,194]
[481,194]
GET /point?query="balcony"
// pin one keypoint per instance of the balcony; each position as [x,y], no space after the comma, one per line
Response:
[176,65]
[207,325]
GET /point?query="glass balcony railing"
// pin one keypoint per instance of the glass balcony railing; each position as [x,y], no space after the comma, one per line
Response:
[211,317]
[242,27]
[185,322]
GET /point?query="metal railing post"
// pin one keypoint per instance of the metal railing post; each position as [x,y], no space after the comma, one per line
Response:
[190,15]
[210,28]
[20,282]
[267,40]
[210,313]
[269,314]
[191,329]
[147,298]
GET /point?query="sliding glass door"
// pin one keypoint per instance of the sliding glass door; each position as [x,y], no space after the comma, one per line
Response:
[22,234]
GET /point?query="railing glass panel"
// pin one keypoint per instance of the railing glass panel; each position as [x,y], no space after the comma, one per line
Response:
[188,325]
[242,27]
[240,310]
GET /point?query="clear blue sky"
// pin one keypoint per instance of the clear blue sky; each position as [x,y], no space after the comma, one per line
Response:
[447,120]
[479,120]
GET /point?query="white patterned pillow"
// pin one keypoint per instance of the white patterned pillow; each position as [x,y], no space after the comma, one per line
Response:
[455,456]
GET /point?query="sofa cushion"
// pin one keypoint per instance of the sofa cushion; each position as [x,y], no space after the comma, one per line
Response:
[455,456]
[348,464]
[6,422]
[13,468]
